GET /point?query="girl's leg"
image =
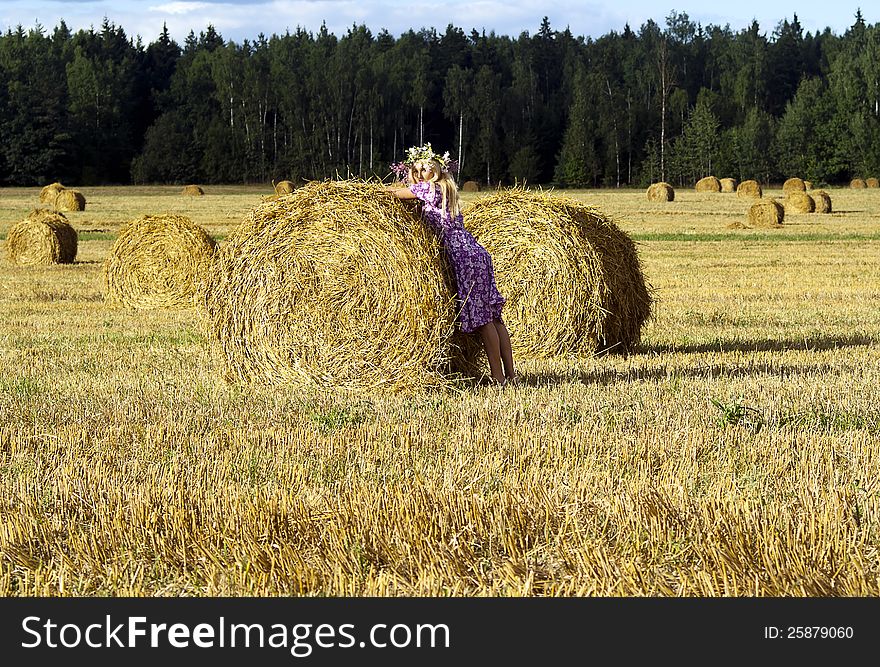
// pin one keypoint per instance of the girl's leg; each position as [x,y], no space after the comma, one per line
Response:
[506,352]
[489,334]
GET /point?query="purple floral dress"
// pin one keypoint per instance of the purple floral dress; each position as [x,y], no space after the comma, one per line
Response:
[478,298]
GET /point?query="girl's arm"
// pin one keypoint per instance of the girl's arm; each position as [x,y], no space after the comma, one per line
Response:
[400,193]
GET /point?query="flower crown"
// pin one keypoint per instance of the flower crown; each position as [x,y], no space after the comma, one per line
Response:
[419,153]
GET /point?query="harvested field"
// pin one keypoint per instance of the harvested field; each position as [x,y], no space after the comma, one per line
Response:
[733,454]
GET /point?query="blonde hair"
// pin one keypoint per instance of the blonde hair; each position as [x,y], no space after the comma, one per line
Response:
[443,180]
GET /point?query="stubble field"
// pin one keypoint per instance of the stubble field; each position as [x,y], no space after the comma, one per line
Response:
[736,453]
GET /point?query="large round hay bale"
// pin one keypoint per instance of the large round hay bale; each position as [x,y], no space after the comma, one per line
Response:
[158,261]
[339,285]
[821,201]
[794,185]
[798,202]
[708,184]
[749,188]
[70,200]
[858,183]
[766,213]
[470,186]
[43,237]
[572,279]
[192,190]
[284,187]
[661,192]
[728,184]
[48,192]
[872,182]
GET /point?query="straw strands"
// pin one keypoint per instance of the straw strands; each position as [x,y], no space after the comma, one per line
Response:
[338,285]
[749,188]
[48,192]
[70,200]
[766,213]
[158,261]
[661,192]
[821,201]
[44,237]
[572,279]
[708,184]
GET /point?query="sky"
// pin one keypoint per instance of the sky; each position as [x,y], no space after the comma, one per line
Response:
[245,19]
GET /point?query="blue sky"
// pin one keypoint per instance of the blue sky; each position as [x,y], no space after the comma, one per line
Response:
[245,19]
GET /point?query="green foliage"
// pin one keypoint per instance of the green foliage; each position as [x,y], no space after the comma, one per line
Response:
[736,413]
[624,109]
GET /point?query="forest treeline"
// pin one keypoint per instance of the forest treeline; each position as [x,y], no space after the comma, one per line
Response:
[674,103]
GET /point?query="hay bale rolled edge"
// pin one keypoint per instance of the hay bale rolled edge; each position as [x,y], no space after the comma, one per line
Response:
[283,187]
[70,200]
[48,192]
[749,188]
[44,237]
[158,261]
[798,202]
[708,184]
[794,184]
[766,213]
[339,285]
[661,192]
[572,279]
[821,201]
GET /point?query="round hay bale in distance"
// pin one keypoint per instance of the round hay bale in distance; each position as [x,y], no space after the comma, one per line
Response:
[283,187]
[339,285]
[766,213]
[858,183]
[708,184]
[70,200]
[158,261]
[798,202]
[661,192]
[48,192]
[794,185]
[44,237]
[192,190]
[572,278]
[821,201]
[728,184]
[749,188]
[470,186]
[872,182]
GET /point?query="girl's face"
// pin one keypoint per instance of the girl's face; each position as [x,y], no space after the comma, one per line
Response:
[424,171]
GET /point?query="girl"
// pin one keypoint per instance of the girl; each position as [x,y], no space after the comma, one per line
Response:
[480,303]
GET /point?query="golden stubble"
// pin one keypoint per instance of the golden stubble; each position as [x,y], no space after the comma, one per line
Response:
[735,453]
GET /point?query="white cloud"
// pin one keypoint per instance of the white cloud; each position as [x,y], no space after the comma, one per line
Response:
[179,7]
